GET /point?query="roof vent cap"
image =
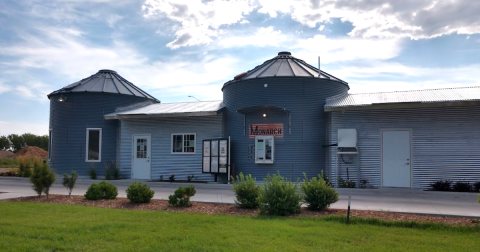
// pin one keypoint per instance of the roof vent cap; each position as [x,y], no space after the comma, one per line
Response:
[106,71]
[284,53]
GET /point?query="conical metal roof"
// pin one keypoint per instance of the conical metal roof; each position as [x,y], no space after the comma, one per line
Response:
[284,65]
[105,81]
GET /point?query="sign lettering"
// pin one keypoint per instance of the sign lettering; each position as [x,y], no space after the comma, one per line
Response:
[266,129]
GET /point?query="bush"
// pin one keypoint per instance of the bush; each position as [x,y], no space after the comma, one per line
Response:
[246,191]
[441,185]
[346,183]
[279,196]
[462,186]
[92,172]
[172,178]
[476,186]
[69,182]
[108,175]
[139,193]
[23,166]
[42,178]
[317,193]
[115,170]
[102,190]
[181,196]
[190,178]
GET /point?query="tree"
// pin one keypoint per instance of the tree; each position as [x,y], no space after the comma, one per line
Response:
[4,143]
[16,141]
[42,178]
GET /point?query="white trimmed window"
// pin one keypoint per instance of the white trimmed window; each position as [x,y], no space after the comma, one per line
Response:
[50,141]
[184,143]
[264,150]
[94,145]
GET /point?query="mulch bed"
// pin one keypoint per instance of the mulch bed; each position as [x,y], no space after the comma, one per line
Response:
[210,208]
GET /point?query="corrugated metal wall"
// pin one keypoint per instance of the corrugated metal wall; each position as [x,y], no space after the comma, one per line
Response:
[295,153]
[445,142]
[69,121]
[163,162]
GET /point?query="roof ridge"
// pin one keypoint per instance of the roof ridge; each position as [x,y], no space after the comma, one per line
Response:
[413,90]
[189,102]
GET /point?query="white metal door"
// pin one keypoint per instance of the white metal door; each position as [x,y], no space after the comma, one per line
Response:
[141,157]
[396,161]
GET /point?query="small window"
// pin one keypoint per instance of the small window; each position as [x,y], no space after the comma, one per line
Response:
[264,150]
[183,143]
[50,141]
[94,145]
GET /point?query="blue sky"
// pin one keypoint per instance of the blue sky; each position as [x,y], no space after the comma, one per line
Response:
[176,48]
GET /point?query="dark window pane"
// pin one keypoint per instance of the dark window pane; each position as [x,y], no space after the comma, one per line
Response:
[93,145]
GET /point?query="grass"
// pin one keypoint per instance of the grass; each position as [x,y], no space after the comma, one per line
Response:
[49,227]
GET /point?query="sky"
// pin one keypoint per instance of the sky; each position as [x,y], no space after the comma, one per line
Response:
[174,49]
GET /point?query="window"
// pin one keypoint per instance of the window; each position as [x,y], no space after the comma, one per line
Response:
[264,150]
[50,141]
[94,145]
[183,143]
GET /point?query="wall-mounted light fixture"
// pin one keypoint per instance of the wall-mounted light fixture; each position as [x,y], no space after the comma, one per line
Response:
[62,98]
[264,115]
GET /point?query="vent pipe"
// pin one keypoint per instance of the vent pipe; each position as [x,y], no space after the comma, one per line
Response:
[318,66]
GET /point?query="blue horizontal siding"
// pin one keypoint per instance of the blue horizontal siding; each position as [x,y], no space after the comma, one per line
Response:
[163,162]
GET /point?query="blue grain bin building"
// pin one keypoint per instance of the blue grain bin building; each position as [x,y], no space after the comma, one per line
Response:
[80,136]
[274,116]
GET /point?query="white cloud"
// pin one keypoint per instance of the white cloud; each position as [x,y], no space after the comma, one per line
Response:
[4,88]
[381,76]
[345,49]
[386,18]
[34,90]
[200,21]
[264,36]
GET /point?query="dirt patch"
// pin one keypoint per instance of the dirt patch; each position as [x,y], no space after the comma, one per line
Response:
[6,154]
[210,208]
[32,151]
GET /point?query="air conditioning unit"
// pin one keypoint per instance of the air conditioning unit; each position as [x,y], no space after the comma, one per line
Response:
[347,138]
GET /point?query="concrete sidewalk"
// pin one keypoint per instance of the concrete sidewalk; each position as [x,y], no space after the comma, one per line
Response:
[403,200]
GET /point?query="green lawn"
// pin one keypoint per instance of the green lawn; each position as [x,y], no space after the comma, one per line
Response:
[49,227]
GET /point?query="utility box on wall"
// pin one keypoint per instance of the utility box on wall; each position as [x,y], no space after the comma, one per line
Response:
[347,138]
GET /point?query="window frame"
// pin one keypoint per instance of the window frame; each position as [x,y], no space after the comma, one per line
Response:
[183,141]
[264,161]
[99,145]
[50,144]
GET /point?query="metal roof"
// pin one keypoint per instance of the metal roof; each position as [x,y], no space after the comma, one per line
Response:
[409,98]
[202,108]
[105,81]
[284,65]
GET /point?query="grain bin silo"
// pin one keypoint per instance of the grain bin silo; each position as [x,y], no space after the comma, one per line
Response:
[80,137]
[274,116]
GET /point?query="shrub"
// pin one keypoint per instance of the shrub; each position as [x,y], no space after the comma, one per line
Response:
[441,185]
[346,183]
[102,190]
[69,182]
[139,193]
[317,193]
[246,191]
[181,196]
[42,178]
[24,164]
[161,177]
[476,186]
[190,178]
[462,186]
[115,170]
[92,172]
[172,178]
[279,196]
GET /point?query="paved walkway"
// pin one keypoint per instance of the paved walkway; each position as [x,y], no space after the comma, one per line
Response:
[405,200]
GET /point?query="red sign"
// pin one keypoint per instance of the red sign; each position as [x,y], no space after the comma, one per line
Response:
[265,129]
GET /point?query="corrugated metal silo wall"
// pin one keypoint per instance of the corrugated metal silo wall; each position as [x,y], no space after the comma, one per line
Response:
[69,121]
[163,162]
[297,152]
[445,142]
